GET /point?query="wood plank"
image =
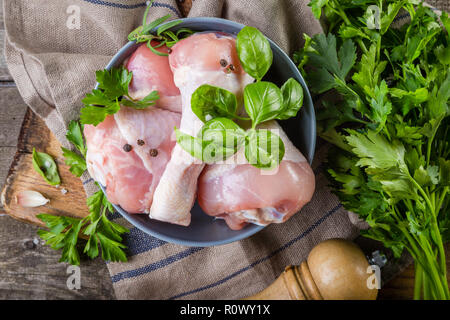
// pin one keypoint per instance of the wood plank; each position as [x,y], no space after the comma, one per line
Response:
[10,123]
[30,270]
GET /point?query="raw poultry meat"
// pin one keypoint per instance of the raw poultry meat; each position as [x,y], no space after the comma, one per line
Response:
[128,152]
[203,58]
[152,72]
[240,193]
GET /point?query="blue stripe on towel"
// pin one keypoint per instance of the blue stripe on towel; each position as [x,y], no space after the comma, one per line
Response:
[138,242]
[134,6]
[250,266]
[155,266]
[87,181]
[183,254]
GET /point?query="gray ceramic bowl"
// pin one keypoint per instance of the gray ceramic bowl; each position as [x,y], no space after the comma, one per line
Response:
[204,230]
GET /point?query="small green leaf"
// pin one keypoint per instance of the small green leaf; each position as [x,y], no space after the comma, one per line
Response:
[264,149]
[316,7]
[46,167]
[209,102]
[263,101]
[254,52]
[292,99]
[221,138]
[192,145]
[147,101]
[111,250]
[427,177]
[75,161]
[75,136]
[380,105]
[114,82]
[375,151]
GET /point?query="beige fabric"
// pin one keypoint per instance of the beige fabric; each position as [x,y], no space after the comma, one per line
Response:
[54,66]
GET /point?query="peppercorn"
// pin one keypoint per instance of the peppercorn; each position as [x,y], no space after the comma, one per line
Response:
[153,152]
[140,142]
[223,62]
[127,148]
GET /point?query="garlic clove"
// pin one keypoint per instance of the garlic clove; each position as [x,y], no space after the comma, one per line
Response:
[30,199]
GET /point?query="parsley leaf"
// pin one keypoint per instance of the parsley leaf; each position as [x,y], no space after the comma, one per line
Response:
[64,233]
[111,93]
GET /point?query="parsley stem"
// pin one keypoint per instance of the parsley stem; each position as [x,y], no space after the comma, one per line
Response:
[418,281]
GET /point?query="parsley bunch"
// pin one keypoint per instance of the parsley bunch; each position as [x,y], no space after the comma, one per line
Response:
[388,119]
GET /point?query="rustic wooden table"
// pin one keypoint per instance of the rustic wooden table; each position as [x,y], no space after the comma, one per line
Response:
[30,270]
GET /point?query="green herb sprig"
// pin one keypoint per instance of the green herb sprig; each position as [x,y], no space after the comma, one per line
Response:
[64,232]
[221,137]
[112,92]
[163,35]
[389,125]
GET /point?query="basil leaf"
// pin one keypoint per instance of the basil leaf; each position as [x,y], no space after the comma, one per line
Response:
[292,99]
[209,101]
[263,101]
[222,138]
[254,52]
[46,167]
[264,149]
[192,145]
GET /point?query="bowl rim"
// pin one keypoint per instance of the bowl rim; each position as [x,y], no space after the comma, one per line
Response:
[253,228]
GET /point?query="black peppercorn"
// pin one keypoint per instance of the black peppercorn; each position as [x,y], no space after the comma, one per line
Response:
[231,66]
[153,152]
[223,62]
[127,148]
[140,142]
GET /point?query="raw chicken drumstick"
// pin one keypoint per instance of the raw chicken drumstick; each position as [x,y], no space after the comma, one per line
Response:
[203,58]
[240,193]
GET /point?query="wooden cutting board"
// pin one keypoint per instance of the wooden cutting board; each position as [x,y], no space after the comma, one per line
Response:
[22,176]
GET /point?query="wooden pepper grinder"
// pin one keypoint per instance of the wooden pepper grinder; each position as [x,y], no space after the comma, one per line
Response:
[336,269]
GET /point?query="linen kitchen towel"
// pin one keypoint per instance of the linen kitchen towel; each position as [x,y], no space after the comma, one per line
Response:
[53,57]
